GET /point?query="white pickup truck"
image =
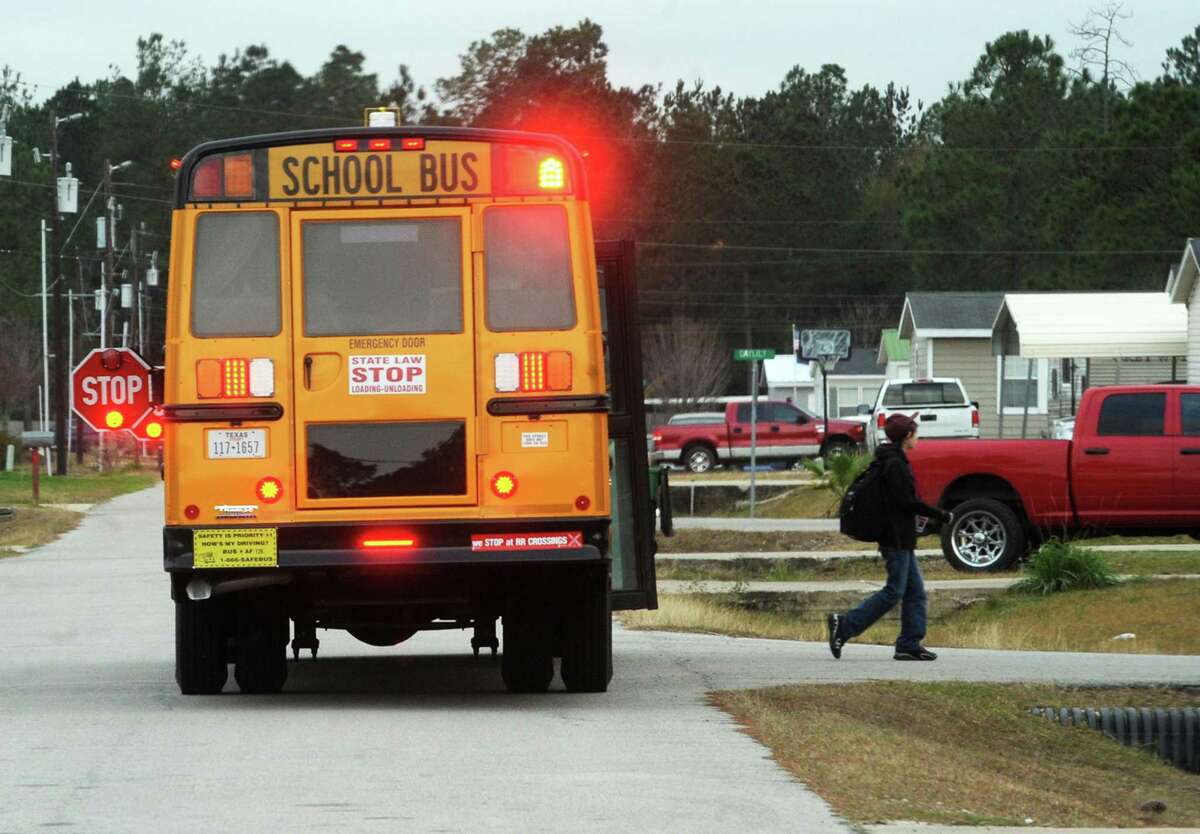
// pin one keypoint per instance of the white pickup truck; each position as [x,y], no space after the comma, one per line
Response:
[939,404]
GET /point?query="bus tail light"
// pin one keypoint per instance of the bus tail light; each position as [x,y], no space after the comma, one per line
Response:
[234,378]
[533,371]
[504,484]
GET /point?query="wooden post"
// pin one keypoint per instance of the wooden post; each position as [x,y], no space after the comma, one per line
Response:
[35,455]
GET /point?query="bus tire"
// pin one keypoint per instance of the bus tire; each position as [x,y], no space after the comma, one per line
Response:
[260,665]
[527,662]
[587,646]
[200,635]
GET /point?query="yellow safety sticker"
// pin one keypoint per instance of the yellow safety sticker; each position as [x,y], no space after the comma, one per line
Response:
[235,548]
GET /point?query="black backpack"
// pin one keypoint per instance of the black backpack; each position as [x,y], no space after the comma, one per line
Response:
[862,515]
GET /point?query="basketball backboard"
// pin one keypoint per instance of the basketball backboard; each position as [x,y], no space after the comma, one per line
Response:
[825,344]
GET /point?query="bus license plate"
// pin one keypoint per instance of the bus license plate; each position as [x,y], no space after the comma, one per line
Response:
[234,444]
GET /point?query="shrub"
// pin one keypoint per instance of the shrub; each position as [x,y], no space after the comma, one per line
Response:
[1062,566]
[837,473]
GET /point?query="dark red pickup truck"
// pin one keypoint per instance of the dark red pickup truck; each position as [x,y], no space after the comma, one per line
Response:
[1132,467]
[784,433]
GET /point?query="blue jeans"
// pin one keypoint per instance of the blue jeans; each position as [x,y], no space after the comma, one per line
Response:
[906,586]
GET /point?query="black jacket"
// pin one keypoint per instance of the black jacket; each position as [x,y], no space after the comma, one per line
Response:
[901,502]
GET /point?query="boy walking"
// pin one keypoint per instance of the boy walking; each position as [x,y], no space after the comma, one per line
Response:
[905,585]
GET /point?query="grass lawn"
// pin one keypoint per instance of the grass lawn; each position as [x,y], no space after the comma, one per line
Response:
[1135,563]
[35,526]
[684,477]
[966,753]
[732,541]
[81,486]
[1162,615]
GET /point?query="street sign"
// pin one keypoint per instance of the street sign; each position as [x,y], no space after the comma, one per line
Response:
[825,344]
[111,389]
[752,354]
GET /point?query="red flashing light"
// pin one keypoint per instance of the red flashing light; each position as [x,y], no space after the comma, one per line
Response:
[345,144]
[413,143]
[379,144]
[504,484]
[154,430]
[207,178]
[269,489]
[114,419]
[551,174]
[176,164]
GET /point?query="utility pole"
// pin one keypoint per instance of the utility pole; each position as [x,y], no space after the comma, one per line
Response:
[109,261]
[136,315]
[61,370]
[83,296]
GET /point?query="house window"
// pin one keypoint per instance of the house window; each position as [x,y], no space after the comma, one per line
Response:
[1025,382]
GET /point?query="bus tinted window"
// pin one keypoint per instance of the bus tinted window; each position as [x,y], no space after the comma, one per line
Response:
[235,285]
[528,269]
[383,276]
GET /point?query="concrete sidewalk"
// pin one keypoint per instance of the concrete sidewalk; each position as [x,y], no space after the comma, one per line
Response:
[926,828]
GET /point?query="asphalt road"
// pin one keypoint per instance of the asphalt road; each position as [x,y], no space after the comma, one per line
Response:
[96,738]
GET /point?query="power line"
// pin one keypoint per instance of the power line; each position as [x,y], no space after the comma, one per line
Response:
[834,250]
[29,184]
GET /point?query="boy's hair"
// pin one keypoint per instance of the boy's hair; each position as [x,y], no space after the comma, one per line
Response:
[898,427]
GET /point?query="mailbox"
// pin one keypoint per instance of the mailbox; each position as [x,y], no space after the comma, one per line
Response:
[36,439]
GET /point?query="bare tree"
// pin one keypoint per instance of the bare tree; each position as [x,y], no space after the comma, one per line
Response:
[866,317]
[1098,40]
[686,362]
[21,349]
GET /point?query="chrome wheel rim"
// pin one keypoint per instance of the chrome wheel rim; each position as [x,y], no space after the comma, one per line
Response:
[698,461]
[980,539]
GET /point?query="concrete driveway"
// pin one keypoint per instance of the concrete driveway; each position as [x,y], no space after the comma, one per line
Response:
[419,737]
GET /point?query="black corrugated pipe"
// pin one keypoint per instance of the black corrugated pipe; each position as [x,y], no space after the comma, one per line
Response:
[1173,734]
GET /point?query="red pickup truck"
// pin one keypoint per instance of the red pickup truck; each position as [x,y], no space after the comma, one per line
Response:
[784,433]
[1132,467]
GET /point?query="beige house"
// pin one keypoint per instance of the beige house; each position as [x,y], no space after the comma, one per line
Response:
[1183,286]
[950,335]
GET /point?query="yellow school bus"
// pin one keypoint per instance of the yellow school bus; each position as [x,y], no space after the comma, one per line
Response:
[403,393]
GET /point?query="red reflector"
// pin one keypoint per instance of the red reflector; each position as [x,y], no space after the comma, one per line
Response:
[413,143]
[379,144]
[381,543]
[269,490]
[504,484]
[582,503]
[191,511]
[345,144]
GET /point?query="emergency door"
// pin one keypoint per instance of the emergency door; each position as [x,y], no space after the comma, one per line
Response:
[632,543]
[384,366]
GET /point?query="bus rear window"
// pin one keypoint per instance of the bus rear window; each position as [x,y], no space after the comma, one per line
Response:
[528,269]
[383,276]
[235,281]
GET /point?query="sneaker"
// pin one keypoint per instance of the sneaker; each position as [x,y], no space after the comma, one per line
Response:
[919,653]
[834,622]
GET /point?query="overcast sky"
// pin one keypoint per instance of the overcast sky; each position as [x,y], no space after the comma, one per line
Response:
[744,45]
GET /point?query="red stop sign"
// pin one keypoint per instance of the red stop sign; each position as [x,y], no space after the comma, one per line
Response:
[110,389]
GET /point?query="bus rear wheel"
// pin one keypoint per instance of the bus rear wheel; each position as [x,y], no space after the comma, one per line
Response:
[260,665]
[527,662]
[587,644]
[200,636]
